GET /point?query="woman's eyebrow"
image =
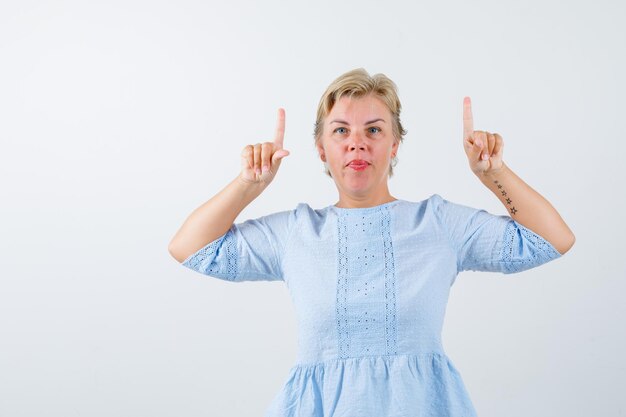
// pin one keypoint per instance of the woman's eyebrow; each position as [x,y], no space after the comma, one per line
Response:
[367,123]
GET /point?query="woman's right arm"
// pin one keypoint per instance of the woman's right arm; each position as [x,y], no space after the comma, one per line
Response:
[213,218]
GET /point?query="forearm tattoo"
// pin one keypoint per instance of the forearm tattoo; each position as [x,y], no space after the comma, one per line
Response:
[512,209]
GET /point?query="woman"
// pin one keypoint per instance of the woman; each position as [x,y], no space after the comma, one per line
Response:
[370,275]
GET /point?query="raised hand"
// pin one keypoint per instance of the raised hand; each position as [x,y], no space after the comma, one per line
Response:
[483,149]
[260,162]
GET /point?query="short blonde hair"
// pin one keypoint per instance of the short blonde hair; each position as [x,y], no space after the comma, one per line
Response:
[358,83]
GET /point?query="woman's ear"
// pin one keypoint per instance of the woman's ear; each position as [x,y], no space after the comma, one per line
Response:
[320,151]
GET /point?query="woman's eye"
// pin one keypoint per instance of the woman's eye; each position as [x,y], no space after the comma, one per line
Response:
[342,130]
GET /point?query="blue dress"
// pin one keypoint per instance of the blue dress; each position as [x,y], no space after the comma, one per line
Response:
[370,288]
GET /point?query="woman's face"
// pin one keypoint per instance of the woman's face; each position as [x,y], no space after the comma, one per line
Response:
[358,129]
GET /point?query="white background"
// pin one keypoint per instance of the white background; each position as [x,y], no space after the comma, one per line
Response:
[118,119]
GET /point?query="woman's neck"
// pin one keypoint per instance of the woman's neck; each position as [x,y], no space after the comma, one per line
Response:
[363,202]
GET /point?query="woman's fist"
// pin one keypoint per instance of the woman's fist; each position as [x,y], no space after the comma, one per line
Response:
[260,162]
[483,149]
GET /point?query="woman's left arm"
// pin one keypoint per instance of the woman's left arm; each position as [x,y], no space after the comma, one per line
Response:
[529,208]
[525,205]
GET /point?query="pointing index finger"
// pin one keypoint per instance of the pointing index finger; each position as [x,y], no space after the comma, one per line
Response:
[280,128]
[468,120]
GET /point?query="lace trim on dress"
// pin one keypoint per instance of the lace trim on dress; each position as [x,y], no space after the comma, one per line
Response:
[204,260]
[512,248]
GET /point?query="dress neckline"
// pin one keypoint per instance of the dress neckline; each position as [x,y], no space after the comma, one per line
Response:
[364,209]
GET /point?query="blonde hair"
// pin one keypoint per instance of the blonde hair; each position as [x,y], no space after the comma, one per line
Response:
[358,83]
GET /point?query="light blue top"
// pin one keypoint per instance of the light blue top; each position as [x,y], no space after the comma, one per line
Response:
[370,288]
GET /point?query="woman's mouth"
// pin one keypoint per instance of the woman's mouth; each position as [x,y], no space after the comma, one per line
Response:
[358,164]
[358,167]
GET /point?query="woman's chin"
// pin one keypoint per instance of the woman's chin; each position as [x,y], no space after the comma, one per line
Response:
[357,183]
[355,180]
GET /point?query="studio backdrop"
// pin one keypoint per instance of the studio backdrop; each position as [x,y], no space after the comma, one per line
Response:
[119,118]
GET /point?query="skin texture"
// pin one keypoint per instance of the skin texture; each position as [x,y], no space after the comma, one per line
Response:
[356,139]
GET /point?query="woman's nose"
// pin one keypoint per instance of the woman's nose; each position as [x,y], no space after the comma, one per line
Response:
[356,141]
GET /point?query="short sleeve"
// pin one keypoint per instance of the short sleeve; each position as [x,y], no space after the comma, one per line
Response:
[487,242]
[249,251]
